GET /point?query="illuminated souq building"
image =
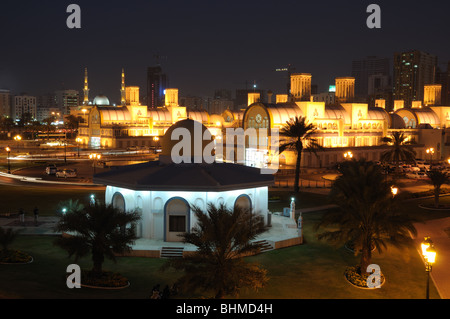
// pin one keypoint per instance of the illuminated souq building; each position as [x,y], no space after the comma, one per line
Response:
[341,127]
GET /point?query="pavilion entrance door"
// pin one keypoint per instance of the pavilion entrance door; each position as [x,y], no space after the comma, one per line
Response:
[176,219]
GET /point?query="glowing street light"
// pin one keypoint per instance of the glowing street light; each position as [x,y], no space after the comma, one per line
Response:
[429,255]
[394,190]
[348,155]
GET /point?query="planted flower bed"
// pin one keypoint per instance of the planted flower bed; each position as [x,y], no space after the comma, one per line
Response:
[106,279]
[10,256]
[354,277]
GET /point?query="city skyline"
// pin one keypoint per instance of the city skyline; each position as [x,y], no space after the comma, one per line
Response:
[205,45]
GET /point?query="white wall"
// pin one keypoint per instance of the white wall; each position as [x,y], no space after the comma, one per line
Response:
[152,204]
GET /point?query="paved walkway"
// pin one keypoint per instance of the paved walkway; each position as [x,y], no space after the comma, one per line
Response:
[44,226]
[283,228]
[436,229]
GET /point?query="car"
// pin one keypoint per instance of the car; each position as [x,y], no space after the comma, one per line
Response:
[409,168]
[417,175]
[51,169]
[66,173]
[423,165]
[101,164]
[405,168]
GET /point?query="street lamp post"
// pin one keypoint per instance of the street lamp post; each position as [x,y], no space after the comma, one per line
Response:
[8,150]
[65,154]
[78,140]
[431,152]
[18,138]
[92,200]
[156,139]
[94,157]
[292,210]
[348,155]
[429,255]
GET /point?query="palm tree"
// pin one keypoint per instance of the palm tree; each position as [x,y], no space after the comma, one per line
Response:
[100,229]
[223,236]
[48,125]
[437,179]
[6,123]
[71,122]
[368,216]
[298,135]
[401,150]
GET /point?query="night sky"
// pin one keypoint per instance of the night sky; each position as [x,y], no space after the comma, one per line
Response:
[206,45]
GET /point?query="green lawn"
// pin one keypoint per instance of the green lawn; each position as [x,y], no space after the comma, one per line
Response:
[312,270]
[315,270]
[45,198]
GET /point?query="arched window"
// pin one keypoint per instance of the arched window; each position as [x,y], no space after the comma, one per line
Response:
[118,201]
[244,202]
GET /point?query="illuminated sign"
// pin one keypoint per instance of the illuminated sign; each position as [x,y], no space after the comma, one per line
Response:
[332,88]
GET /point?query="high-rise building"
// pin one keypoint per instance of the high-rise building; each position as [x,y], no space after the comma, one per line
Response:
[363,69]
[5,105]
[45,105]
[23,104]
[221,101]
[194,102]
[65,99]
[222,94]
[156,84]
[412,71]
[443,78]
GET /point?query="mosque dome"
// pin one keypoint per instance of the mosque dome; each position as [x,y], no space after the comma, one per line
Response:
[184,136]
[101,100]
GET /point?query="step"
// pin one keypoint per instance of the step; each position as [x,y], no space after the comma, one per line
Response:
[172,252]
[264,245]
